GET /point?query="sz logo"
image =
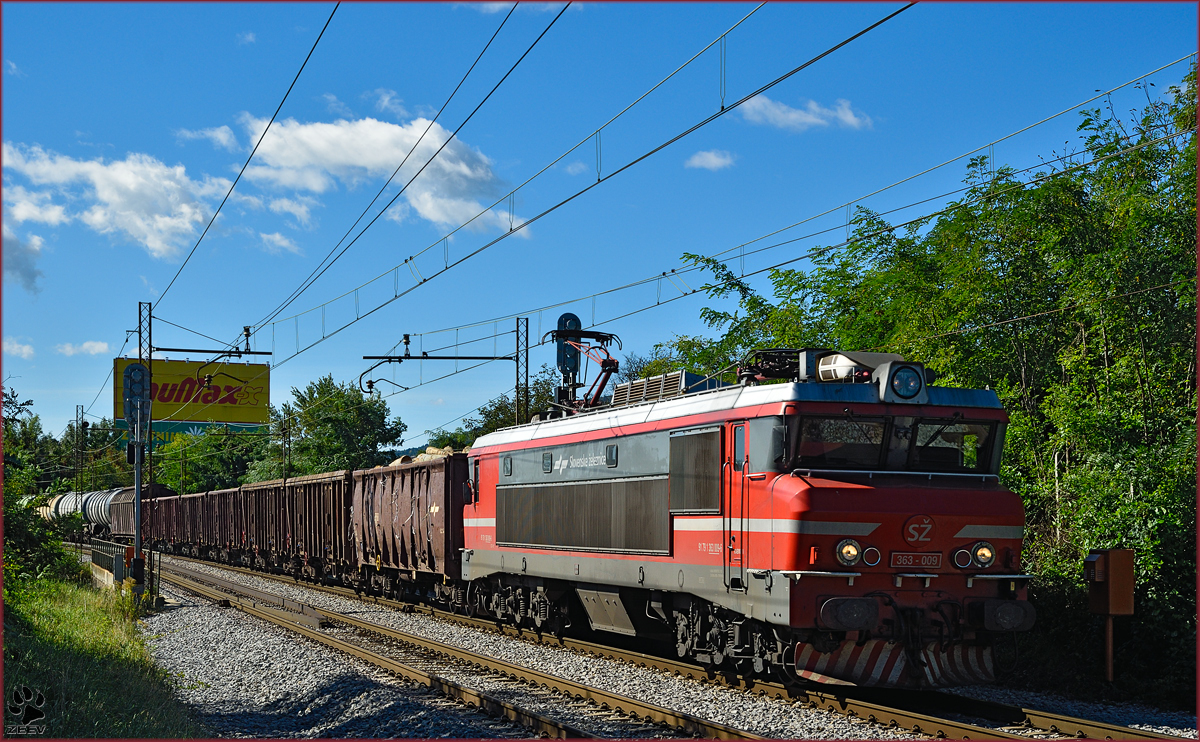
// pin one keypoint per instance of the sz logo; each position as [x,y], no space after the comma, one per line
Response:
[25,707]
[918,530]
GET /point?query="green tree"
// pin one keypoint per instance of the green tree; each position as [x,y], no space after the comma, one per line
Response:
[499,413]
[1071,292]
[217,459]
[328,427]
[32,547]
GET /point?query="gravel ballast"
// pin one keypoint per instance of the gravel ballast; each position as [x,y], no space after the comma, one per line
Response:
[243,677]
[763,716]
[1149,719]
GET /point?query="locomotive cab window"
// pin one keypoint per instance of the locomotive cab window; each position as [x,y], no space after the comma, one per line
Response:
[547,463]
[610,456]
[952,445]
[739,447]
[508,466]
[846,442]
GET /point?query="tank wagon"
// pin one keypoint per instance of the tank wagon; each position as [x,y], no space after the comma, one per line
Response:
[834,518]
[98,507]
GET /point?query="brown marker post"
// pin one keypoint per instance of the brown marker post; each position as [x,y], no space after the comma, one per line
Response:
[1110,577]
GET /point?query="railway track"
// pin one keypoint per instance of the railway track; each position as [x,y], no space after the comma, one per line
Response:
[309,621]
[932,713]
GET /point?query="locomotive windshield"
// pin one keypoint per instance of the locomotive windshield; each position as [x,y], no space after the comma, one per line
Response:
[952,445]
[839,442]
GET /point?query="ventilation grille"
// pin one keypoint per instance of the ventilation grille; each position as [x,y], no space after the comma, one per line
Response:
[664,386]
[624,515]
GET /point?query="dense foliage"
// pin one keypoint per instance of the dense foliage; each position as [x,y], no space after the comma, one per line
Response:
[327,427]
[499,412]
[32,547]
[1071,292]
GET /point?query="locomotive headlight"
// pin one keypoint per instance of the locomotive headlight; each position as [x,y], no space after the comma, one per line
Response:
[906,382]
[984,554]
[848,552]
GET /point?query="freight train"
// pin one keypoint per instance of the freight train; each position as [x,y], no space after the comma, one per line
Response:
[834,518]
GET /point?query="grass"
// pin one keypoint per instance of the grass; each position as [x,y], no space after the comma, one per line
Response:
[80,648]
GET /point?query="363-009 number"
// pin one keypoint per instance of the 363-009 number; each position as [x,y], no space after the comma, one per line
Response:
[909,559]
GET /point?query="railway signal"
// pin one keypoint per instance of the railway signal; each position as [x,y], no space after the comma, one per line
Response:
[137,413]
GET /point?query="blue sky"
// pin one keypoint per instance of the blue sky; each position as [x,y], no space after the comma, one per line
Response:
[124,124]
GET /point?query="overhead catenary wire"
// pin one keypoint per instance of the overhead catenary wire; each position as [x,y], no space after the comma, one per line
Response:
[790,226]
[315,275]
[247,163]
[444,239]
[194,332]
[1123,151]
[882,231]
[693,267]
[983,196]
[613,174]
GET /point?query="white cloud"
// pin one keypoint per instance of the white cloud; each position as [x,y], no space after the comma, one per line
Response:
[253,202]
[18,349]
[32,206]
[488,8]
[762,110]
[387,102]
[492,7]
[246,38]
[713,159]
[11,68]
[90,347]
[298,208]
[575,168]
[276,243]
[221,136]
[20,259]
[315,157]
[336,107]
[149,202]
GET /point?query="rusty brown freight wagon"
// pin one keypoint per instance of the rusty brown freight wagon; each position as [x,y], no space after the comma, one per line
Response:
[300,524]
[408,523]
[121,510]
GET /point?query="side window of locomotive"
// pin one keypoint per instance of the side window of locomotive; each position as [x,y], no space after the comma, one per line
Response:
[765,443]
[610,456]
[547,463]
[952,445]
[848,442]
[739,447]
[508,466]
[695,471]
[473,486]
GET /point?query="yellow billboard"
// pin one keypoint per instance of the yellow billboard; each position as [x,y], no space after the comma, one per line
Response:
[239,392]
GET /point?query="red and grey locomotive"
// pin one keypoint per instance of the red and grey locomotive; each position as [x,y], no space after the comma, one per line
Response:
[845,524]
[833,517]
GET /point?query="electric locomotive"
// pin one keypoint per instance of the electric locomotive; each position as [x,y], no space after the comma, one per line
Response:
[833,517]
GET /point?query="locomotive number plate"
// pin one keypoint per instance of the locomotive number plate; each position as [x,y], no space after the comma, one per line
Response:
[911,559]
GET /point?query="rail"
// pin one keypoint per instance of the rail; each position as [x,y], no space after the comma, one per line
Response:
[292,620]
[873,704]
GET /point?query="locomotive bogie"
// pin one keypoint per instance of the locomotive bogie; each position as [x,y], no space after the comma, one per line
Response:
[835,532]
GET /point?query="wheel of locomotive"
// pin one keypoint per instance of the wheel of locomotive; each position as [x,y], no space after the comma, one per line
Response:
[683,635]
[718,639]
